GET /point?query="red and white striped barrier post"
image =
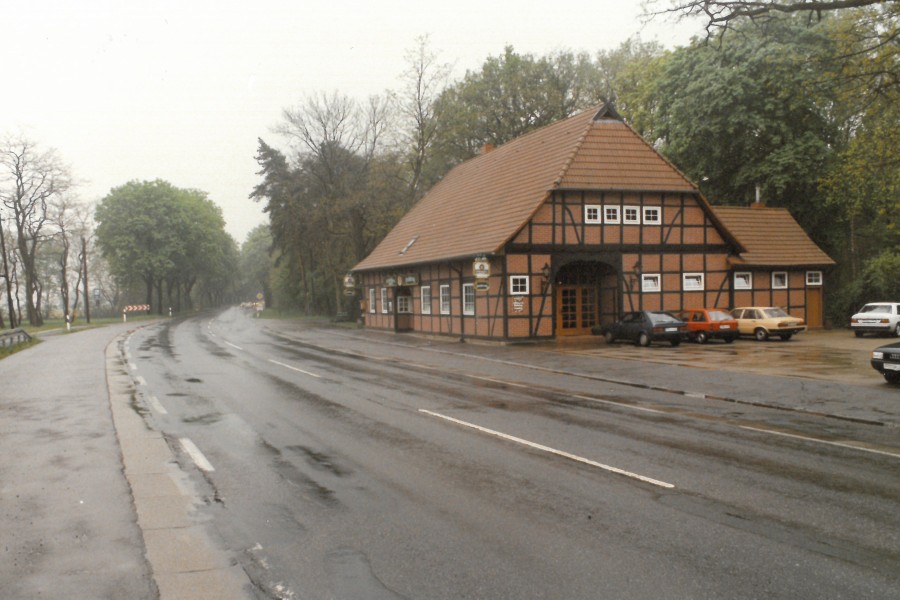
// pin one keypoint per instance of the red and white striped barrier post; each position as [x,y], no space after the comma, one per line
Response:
[133,308]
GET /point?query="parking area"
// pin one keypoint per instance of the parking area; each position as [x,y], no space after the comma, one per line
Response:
[832,355]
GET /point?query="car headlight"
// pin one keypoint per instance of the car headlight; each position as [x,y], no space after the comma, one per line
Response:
[878,355]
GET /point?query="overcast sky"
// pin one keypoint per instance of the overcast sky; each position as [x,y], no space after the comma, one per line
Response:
[181,90]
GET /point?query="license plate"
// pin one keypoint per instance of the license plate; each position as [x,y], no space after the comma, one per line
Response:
[671,329]
[725,327]
[891,367]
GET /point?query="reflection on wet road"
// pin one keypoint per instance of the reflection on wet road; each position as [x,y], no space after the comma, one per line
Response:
[824,355]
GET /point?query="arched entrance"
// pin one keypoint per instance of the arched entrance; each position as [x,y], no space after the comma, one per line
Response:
[587,294]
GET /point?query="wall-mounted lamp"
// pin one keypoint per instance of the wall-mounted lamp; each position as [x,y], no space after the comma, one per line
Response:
[545,277]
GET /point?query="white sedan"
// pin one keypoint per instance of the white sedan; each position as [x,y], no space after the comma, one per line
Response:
[877,317]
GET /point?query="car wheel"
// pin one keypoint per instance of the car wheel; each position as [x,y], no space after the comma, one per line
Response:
[700,337]
[730,339]
[761,334]
[675,343]
[858,333]
[609,337]
[786,336]
[892,376]
[643,339]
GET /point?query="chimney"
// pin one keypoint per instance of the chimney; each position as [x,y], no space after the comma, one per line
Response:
[487,148]
[758,203]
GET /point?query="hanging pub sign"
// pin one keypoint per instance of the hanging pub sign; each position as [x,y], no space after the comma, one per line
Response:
[481,267]
[409,279]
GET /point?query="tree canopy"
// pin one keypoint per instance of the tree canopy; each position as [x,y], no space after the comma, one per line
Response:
[167,238]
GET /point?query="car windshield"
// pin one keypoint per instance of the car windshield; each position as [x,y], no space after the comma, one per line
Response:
[661,317]
[775,313]
[880,308]
[719,315]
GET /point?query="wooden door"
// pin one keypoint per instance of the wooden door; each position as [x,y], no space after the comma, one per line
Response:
[576,309]
[814,316]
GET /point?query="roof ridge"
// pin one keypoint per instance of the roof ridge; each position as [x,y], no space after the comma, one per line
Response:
[580,142]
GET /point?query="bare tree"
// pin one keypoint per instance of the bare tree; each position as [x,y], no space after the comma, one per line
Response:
[5,275]
[424,80]
[30,180]
[722,14]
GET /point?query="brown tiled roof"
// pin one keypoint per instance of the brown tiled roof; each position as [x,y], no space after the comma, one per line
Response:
[771,237]
[481,203]
[612,156]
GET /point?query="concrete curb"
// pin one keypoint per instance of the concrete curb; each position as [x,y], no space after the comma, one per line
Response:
[184,562]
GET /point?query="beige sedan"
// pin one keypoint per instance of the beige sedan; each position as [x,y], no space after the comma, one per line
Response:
[763,321]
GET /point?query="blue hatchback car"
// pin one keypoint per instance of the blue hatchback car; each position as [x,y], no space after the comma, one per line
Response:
[645,326]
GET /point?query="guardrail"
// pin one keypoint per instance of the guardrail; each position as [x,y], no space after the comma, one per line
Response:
[12,337]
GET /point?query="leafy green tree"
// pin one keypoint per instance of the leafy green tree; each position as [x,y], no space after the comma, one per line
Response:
[165,237]
[511,95]
[748,111]
[336,197]
[256,264]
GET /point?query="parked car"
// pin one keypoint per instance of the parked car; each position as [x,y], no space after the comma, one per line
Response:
[763,321]
[644,327]
[877,317]
[886,360]
[704,324]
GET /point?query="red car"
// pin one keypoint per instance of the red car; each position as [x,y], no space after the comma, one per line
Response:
[706,323]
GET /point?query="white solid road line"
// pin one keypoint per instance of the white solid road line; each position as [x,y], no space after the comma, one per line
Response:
[850,446]
[155,404]
[195,454]
[281,364]
[543,448]
[620,404]
[233,345]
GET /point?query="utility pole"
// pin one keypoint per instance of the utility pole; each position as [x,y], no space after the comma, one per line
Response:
[84,269]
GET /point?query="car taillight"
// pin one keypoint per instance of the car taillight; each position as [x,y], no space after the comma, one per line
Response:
[658,329]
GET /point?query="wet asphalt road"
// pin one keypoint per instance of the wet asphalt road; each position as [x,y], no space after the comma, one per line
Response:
[339,465]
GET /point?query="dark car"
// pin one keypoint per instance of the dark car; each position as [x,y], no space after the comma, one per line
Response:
[645,326]
[709,323]
[886,360]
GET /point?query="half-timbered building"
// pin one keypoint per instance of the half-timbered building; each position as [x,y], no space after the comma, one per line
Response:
[565,228]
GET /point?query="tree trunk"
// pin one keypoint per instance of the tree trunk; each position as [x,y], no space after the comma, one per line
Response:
[7,279]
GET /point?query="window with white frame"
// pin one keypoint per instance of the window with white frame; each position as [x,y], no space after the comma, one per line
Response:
[692,282]
[743,281]
[518,285]
[631,215]
[384,301]
[468,298]
[371,300]
[611,214]
[426,300]
[814,278]
[650,282]
[779,280]
[404,304]
[592,213]
[445,299]
[652,215]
